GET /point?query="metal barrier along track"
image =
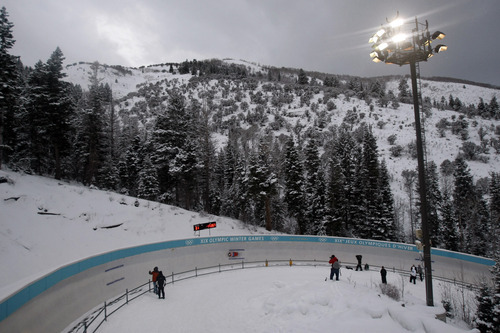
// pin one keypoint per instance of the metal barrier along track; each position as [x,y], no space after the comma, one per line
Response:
[118,272]
[94,319]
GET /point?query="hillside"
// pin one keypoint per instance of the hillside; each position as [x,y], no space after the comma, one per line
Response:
[256,105]
[47,223]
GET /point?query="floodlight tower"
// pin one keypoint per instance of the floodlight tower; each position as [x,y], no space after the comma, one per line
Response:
[401,43]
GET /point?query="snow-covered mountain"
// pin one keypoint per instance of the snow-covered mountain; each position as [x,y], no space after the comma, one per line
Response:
[133,89]
[45,223]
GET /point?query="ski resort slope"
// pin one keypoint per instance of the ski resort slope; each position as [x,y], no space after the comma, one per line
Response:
[283,299]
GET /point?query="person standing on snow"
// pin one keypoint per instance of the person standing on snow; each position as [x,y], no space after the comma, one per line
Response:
[383,274]
[413,274]
[154,276]
[359,256]
[161,285]
[335,267]
[420,273]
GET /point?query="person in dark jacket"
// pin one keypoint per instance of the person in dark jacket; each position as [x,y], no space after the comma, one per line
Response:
[154,276]
[335,267]
[383,274]
[359,257]
[161,285]
[413,274]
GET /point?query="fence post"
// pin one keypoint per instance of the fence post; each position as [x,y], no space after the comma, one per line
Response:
[105,312]
[172,277]
[126,295]
[196,271]
[84,326]
[219,268]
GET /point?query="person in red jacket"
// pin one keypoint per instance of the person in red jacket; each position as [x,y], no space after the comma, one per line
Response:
[154,277]
[335,267]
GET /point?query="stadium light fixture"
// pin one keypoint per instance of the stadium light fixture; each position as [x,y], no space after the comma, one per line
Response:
[396,23]
[438,35]
[440,48]
[402,43]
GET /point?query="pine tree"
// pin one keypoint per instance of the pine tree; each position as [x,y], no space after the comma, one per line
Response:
[31,147]
[108,172]
[294,183]
[336,199]
[479,229]
[494,205]
[148,182]
[496,291]
[464,199]
[433,202]
[205,155]
[260,186]
[409,181]
[44,119]
[173,154]
[130,165]
[184,167]
[386,228]
[494,108]
[484,314]
[8,87]
[448,229]
[404,91]
[303,79]
[377,90]
[314,191]
[59,110]
[90,136]
[343,191]
[370,218]
[228,180]
[488,301]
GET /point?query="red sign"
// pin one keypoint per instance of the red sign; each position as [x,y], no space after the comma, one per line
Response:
[202,226]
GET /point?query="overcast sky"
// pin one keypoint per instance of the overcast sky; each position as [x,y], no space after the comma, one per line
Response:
[329,36]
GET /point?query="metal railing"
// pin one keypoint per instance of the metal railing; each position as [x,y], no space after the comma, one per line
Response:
[93,320]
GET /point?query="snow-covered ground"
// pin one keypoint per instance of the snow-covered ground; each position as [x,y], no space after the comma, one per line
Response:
[45,224]
[72,224]
[283,299]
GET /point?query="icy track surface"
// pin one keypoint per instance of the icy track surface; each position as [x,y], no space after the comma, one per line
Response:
[282,299]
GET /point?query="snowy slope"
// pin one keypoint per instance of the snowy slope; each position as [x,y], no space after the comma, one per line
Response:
[45,224]
[287,299]
[283,299]
[396,121]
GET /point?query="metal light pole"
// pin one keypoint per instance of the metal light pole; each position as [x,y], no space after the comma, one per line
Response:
[393,45]
[423,190]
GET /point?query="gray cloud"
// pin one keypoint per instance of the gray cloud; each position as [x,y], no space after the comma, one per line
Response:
[323,35]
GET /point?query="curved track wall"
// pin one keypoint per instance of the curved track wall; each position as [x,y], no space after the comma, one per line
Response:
[54,301]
